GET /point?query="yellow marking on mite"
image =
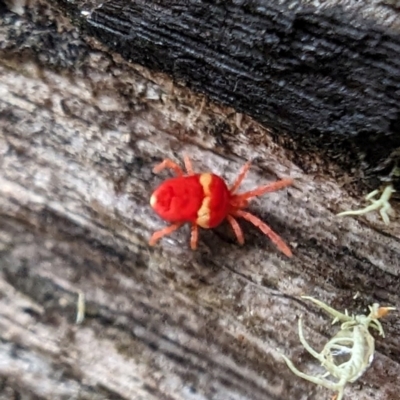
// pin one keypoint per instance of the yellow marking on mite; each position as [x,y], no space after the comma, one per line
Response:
[205,182]
[203,214]
[153,200]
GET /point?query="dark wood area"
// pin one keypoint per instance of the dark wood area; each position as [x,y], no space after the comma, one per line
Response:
[325,79]
[81,129]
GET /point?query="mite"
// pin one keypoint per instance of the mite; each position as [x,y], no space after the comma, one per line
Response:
[205,200]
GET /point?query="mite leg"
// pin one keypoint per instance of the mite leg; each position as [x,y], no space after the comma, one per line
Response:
[236,228]
[167,163]
[163,232]
[188,165]
[240,177]
[194,236]
[271,187]
[264,228]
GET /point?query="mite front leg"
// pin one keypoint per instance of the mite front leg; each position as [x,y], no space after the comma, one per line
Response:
[240,177]
[188,165]
[167,163]
[271,187]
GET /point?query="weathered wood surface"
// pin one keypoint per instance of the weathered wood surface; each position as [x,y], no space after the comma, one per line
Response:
[324,75]
[80,130]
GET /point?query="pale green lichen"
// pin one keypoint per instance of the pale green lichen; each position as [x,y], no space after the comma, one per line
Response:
[353,341]
[382,204]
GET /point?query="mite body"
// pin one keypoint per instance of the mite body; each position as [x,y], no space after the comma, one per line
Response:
[205,200]
[202,199]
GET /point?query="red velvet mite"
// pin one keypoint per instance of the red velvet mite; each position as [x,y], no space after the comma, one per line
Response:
[205,200]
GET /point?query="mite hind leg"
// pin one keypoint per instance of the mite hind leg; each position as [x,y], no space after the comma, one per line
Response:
[236,228]
[264,228]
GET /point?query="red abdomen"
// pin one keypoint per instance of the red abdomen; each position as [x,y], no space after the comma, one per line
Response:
[178,199]
[202,199]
